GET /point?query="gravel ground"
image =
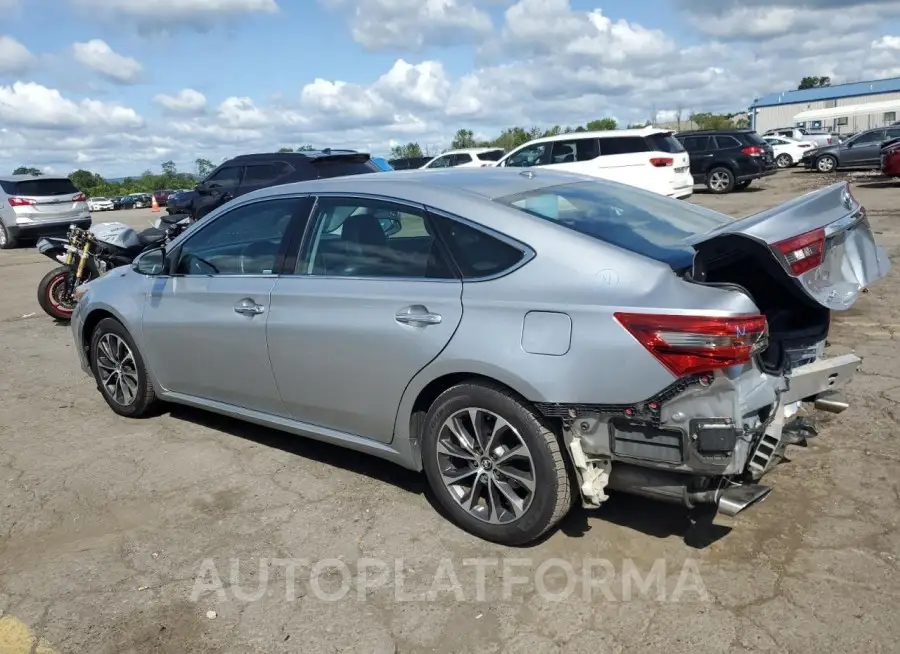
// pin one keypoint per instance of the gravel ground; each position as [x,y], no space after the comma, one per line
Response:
[191,533]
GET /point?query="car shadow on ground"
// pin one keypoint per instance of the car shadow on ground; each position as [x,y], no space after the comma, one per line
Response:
[652,518]
[884,183]
[749,189]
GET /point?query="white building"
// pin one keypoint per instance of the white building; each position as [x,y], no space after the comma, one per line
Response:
[843,108]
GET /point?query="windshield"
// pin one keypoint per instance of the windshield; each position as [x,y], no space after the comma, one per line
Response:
[639,221]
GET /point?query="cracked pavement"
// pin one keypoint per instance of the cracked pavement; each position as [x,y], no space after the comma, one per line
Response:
[106,523]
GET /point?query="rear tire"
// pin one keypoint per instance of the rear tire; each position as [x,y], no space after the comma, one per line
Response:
[7,240]
[720,180]
[51,291]
[784,160]
[120,372]
[480,484]
[826,164]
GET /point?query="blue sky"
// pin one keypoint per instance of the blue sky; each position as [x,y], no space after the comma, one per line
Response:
[117,86]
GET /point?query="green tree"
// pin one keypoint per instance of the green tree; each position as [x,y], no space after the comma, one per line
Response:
[602,125]
[813,82]
[410,150]
[204,167]
[285,149]
[464,138]
[168,168]
[706,120]
[27,170]
[305,148]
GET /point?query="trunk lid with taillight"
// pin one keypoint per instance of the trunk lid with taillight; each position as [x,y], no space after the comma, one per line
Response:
[822,242]
[44,199]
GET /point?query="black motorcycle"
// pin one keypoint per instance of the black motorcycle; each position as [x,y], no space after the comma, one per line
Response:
[86,254]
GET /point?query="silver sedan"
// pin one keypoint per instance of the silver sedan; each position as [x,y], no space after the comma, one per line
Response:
[526,339]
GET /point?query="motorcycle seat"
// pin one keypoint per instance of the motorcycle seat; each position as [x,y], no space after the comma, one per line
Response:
[151,236]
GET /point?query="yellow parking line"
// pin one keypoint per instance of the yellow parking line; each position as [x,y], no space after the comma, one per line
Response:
[17,638]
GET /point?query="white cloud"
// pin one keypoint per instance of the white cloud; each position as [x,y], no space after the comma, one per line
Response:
[98,56]
[186,101]
[27,104]
[14,57]
[549,65]
[413,24]
[163,15]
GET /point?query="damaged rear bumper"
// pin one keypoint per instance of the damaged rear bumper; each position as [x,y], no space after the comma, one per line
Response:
[705,440]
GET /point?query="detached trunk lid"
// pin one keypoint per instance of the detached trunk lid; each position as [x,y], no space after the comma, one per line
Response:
[821,241]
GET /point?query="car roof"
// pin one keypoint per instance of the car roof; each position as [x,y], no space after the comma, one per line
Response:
[705,132]
[29,178]
[466,151]
[306,154]
[600,134]
[420,185]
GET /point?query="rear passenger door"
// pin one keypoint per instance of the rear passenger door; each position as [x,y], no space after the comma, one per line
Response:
[261,175]
[374,299]
[701,151]
[864,151]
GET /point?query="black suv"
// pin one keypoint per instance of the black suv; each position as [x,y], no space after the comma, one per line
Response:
[250,172]
[727,159]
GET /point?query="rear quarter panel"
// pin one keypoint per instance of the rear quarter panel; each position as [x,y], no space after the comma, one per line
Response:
[588,281]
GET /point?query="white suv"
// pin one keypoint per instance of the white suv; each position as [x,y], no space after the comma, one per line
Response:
[466,158]
[649,158]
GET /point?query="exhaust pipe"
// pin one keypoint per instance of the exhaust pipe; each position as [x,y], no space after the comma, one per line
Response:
[735,499]
[832,402]
[672,487]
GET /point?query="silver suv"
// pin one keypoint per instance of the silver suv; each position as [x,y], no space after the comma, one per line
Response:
[39,205]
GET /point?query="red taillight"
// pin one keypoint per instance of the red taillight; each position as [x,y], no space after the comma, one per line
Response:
[829,140]
[79,198]
[21,202]
[662,162]
[689,345]
[803,252]
[753,151]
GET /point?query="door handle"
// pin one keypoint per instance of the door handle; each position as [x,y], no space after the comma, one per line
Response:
[418,316]
[247,307]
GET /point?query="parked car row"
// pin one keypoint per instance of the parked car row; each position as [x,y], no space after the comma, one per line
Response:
[862,151]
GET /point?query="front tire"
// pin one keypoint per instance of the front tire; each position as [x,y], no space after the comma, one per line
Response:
[494,465]
[720,180]
[53,294]
[120,372]
[826,164]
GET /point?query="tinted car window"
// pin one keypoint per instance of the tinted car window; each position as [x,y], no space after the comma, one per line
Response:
[892,133]
[695,143]
[664,143]
[243,241]
[442,162]
[476,253]
[753,138]
[491,155]
[326,168]
[227,177]
[622,145]
[874,136]
[649,225]
[39,187]
[723,141]
[259,173]
[533,155]
[462,158]
[372,238]
[575,150]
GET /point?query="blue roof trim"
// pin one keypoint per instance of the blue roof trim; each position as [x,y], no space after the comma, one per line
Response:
[835,92]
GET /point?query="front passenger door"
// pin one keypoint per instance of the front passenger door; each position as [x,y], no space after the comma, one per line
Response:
[204,324]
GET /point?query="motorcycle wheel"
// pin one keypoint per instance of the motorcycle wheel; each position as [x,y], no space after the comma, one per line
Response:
[51,294]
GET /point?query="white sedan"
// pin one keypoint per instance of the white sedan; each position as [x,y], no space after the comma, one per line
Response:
[100,204]
[788,152]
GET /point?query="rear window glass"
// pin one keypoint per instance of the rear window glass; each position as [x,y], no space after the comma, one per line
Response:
[754,139]
[493,155]
[622,145]
[638,221]
[336,168]
[664,143]
[39,187]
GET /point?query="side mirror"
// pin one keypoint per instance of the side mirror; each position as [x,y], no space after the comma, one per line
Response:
[151,262]
[390,226]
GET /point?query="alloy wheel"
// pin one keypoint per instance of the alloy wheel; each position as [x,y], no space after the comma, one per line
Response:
[117,369]
[2,236]
[719,181]
[825,164]
[486,465]
[783,161]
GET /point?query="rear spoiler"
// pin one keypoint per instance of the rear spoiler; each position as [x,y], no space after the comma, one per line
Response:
[349,156]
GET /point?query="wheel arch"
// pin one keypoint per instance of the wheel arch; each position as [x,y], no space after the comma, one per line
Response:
[424,389]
